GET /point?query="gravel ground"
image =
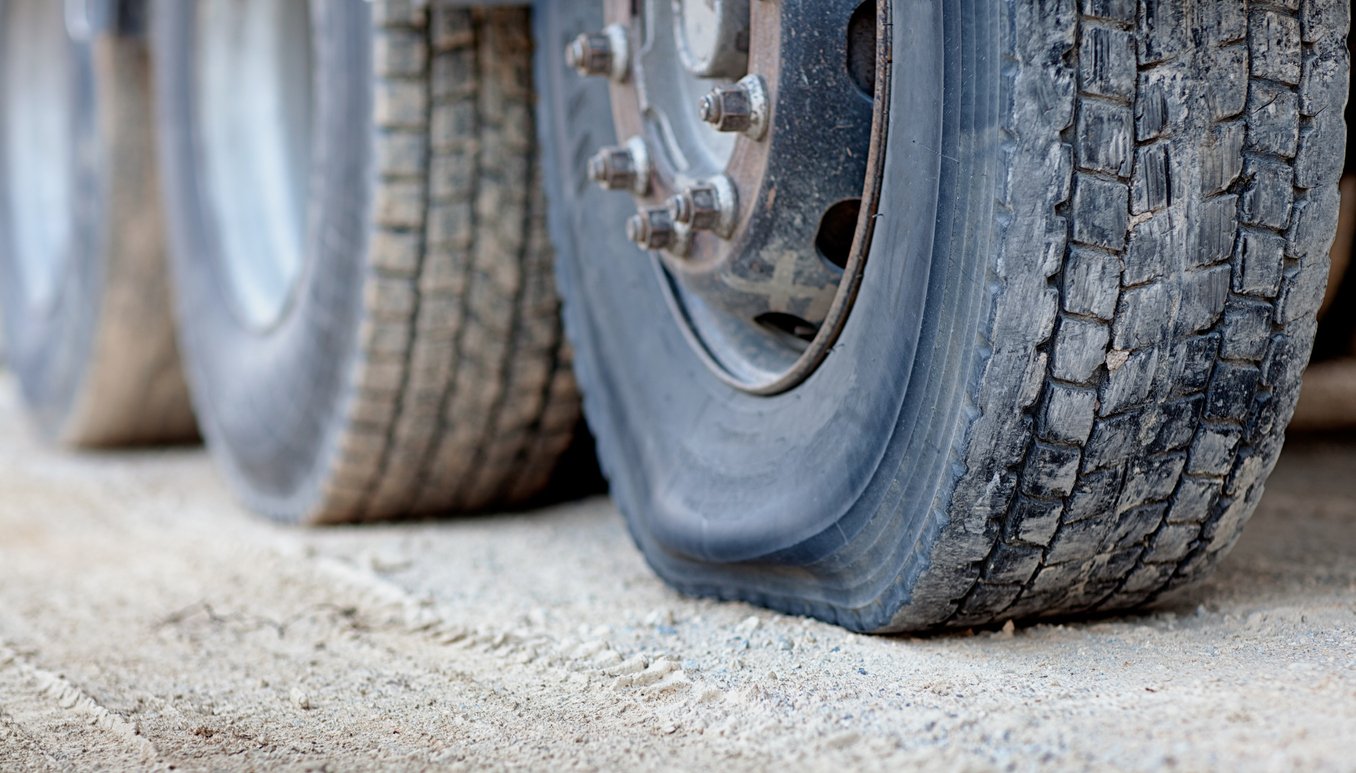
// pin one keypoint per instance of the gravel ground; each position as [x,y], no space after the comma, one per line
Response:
[147,622]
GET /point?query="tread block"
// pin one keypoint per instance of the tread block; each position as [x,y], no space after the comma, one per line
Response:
[1115,10]
[1094,495]
[1079,349]
[1078,540]
[1105,138]
[1151,479]
[1033,521]
[1050,471]
[1068,415]
[1130,379]
[1107,66]
[1100,211]
[1151,187]
[1166,30]
[1142,320]
[1228,90]
[1273,120]
[1196,362]
[1212,453]
[1194,499]
[1013,564]
[1204,295]
[1217,228]
[1222,157]
[1247,324]
[1177,422]
[1092,283]
[1232,390]
[1269,193]
[1258,263]
[1136,525]
[1154,246]
[1275,42]
[1113,440]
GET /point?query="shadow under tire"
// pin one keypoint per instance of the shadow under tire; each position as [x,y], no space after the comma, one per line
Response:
[1099,252]
[410,360]
[83,281]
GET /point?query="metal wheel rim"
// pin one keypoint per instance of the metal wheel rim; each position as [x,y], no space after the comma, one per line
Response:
[739,347]
[253,104]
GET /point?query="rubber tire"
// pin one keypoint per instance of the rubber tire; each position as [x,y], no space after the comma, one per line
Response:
[97,361]
[421,368]
[1067,374]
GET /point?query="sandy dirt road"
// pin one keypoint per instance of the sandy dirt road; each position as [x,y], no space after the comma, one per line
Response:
[147,622]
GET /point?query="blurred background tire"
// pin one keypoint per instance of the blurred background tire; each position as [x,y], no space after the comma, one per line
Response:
[83,279]
[364,284]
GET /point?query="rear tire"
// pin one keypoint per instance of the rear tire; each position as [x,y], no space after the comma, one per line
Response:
[83,276]
[1098,256]
[415,364]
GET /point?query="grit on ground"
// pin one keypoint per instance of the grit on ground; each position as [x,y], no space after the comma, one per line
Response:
[147,620]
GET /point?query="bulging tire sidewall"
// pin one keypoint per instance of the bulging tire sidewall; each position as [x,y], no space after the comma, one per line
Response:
[736,495]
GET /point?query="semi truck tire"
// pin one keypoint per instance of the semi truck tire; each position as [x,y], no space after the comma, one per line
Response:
[1064,345]
[82,265]
[366,302]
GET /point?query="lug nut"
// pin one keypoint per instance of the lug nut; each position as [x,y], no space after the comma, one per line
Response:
[624,167]
[741,107]
[600,54]
[698,207]
[651,229]
[613,169]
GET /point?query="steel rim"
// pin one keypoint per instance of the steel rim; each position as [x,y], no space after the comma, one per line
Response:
[39,91]
[253,105]
[756,208]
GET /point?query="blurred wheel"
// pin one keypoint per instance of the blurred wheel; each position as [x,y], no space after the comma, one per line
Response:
[366,303]
[82,270]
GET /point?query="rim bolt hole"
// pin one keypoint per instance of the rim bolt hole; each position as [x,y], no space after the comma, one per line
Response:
[788,325]
[861,48]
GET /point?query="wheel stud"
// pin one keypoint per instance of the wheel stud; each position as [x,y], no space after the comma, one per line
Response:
[600,54]
[651,229]
[740,107]
[698,207]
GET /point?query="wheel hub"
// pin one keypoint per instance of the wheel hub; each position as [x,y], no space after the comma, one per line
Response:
[748,132]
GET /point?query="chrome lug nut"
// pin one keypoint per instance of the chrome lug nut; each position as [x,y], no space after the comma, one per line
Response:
[600,54]
[741,107]
[651,229]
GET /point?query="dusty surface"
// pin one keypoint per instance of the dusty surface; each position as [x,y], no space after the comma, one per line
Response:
[146,621]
